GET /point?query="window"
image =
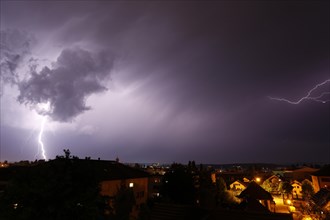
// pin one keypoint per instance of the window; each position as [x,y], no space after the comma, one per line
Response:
[131,185]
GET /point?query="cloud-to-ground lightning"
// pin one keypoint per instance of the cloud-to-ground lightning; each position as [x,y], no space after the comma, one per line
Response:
[42,109]
[320,98]
[42,147]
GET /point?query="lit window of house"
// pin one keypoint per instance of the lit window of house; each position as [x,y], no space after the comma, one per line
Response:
[131,185]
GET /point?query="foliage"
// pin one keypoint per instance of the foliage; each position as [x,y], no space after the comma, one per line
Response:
[267,185]
[124,202]
[223,195]
[178,185]
[307,189]
[144,212]
[206,190]
[285,188]
[58,189]
[221,185]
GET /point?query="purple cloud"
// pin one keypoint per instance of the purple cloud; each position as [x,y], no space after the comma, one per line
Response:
[75,75]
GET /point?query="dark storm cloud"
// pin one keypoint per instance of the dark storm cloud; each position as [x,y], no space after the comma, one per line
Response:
[75,75]
[14,46]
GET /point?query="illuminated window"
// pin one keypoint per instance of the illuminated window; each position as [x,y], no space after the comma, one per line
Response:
[131,185]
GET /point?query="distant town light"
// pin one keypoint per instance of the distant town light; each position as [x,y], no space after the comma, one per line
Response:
[131,185]
[258,179]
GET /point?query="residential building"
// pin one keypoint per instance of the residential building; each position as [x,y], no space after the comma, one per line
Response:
[154,185]
[238,186]
[255,193]
[116,175]
[321,178]
[296,189]
[300,174]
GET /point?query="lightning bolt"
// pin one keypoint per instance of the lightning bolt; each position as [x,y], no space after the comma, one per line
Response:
[309,96]
[42,147]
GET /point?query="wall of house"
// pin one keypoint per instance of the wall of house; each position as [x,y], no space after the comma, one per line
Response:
[139,186]
[237,186]
[297,191]
[155,183]
[320,182]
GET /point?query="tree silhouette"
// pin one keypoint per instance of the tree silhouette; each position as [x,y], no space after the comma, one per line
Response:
[124,202]
[307,189]
[58,189]
[178,185]
[285,188]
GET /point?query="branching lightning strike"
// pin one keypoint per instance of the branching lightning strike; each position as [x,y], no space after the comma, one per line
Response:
[319,98]
[42,147]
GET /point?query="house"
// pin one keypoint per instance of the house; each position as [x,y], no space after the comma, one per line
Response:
[300,174]
[322,199]
[246,180]
[116,175]
[238,186]
[257,204]
[154,185]
[75,182]
[321,178]
[253,193]
[274,182]
[297,190]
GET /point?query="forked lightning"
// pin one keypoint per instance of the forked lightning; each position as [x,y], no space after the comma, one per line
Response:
[322,98]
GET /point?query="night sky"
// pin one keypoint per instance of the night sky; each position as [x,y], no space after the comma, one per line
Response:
[166,81]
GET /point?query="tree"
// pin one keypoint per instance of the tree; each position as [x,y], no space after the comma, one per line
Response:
[206,190]
[67,153]
[123,203]
[178,185]
[285,188]
[58,189]
[267,185]
[307,189]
